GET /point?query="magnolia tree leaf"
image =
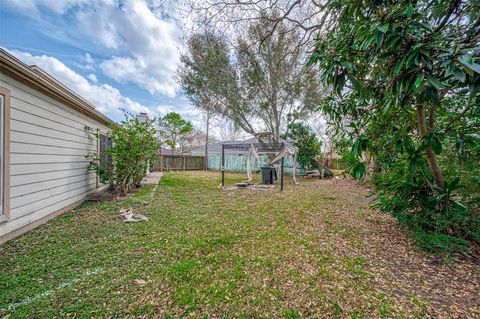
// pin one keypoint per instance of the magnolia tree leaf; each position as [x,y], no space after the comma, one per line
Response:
[419,81]
[436,83]
[399,66]
[408,11]
[467,61]
[384,28]
[436,145]
[359,171]
[355,82]
[379,38]
[459,74]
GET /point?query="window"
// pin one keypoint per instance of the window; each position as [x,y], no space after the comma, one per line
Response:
[4,154]
[105,158]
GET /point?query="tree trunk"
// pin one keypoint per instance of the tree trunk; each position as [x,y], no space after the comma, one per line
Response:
[370,166]
[429,154]
[206,140]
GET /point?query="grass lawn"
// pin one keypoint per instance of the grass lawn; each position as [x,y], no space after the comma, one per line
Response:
[315,250]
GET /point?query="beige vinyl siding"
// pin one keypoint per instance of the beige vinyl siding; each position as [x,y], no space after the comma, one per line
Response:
[48,144]
[27,169]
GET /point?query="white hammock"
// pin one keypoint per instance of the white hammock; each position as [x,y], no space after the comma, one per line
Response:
[287,150]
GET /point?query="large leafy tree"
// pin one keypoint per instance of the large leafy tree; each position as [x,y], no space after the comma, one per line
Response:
[405,79]
[397,59]
[174,130]
[256,83]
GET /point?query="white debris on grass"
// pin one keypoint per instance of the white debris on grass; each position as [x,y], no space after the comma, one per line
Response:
[47,293]
[140,282]
[130,217]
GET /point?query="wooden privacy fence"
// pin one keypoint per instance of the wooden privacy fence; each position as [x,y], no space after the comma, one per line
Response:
[179,163]
[233,163]
[334,163]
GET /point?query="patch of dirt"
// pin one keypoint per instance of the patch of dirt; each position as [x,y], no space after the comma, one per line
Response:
[445,288]
[108,195]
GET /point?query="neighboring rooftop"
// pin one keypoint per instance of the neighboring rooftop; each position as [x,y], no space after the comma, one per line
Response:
[142,117]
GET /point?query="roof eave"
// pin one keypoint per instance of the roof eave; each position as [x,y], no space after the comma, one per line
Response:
[47,84]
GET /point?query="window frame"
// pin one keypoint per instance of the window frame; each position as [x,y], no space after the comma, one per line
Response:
[5,201]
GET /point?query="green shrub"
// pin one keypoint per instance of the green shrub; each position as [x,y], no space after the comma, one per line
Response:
[438,242]
[307,143]
[134,146]
[438,219]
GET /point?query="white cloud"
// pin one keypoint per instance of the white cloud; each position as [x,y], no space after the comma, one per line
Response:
[88,63]
[143,45]
[92,77]
[106,98]
[150,45]
[88,59]
[57,6]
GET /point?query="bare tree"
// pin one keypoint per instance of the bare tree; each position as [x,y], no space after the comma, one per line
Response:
[228,130]
[227,17]
[257,85]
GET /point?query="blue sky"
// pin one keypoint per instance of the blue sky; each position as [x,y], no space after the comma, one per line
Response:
[115,53]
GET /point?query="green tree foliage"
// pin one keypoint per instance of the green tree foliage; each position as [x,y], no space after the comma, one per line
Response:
[405,79]
[174,130]
[257,83]
[134,146]
[307,143]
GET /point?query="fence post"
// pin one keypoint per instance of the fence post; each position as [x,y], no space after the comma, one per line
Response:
[281,176]
[222,167]
[184,163]
[161,163]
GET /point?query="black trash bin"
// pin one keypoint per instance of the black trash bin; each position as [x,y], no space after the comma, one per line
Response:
[269,175]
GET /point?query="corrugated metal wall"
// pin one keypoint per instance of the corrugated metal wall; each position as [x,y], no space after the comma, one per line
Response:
[238,163]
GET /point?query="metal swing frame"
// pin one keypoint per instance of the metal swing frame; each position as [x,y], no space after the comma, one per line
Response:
[261,148]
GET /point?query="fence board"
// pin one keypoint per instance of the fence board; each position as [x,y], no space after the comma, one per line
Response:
[179,162]
[338,164]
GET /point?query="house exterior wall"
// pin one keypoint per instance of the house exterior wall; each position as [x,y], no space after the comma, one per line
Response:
[48,169]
